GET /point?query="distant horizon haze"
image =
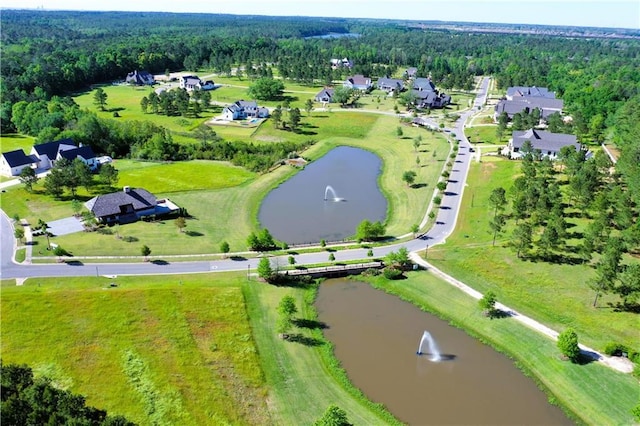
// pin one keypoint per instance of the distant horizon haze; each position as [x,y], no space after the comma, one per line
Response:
[623,14]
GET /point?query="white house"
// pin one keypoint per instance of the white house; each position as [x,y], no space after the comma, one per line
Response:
[13,162]
[244,109]
[324,96]
[358,82]
[47,153]
[140,78]
[193,82]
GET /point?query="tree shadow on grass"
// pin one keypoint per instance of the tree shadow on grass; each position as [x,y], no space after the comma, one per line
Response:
[194,233]
[626,307]
[304,340]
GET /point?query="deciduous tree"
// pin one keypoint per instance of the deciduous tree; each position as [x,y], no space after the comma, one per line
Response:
[568,344]
[100,98]
[29,178]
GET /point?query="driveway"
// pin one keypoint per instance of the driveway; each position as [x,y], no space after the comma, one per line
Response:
[65,226]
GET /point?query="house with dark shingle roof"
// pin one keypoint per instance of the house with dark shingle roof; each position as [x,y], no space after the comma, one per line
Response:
[240,110]
[422,84]
[547,106]
[84,153]
[48,153]
[516,92]
[324,96]
[128,205]
[390,84]
[140,78]
[13,162]
[358,82]
[549,144]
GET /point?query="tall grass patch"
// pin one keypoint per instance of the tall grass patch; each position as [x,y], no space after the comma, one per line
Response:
[170,349]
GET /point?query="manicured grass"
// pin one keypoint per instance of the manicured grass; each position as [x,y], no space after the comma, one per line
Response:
[13,141]
[556,294]
[21,254]
[181,176]
[483,135]
[207,344]
[190,333]
[593,393]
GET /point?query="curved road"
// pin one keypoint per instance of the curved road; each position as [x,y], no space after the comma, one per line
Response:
[445,223]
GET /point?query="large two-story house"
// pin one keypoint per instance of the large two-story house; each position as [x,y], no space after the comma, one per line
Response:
[193,82]
[44,156]
[547,143]
[390,85]
[324,96]
[140,78]
[241,109]
[427,96]
[358,82]
[50,152]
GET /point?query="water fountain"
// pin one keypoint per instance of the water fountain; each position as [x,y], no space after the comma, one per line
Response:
[335,198]
[431,346]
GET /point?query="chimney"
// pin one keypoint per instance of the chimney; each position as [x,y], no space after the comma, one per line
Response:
[127,189]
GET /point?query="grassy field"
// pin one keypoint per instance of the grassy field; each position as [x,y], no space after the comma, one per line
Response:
[555,294]
[484,135]
[203,345]
[200,188]
[592,393]
[167,349]
[11,142]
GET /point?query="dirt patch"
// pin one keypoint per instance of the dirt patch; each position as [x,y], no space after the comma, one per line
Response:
[487,168]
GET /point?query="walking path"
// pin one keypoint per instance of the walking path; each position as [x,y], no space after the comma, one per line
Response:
[617,363]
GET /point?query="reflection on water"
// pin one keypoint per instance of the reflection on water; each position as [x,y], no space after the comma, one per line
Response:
[376,336]
[296,212]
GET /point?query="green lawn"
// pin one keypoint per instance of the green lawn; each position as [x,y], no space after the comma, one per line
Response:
[555,294]
[484,135]
[593,393]
[181,176]
[13,141]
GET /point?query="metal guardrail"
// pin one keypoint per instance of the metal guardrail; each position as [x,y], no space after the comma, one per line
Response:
[333,268]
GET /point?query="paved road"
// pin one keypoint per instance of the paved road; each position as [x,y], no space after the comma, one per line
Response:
[445,223]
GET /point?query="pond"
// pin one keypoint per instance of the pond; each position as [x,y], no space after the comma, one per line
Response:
[296,211]
[376,337]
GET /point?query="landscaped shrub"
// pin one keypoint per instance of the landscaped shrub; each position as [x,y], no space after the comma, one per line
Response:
[371,272]
[568,344]
[614,349]
[392,273]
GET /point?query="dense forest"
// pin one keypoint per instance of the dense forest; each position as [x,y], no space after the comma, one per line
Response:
[47,55]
